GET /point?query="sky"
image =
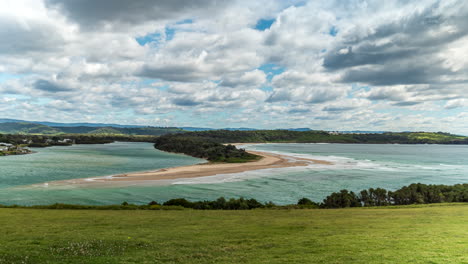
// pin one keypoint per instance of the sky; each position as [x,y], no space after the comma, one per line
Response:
[332,65]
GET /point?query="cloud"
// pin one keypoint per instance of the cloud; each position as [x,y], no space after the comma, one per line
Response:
[250,79]
[457,103]
[26,26]
[346,105]
[185,101]
[48,86]
[92,14]
[303,87]
[351,65]
[409,49]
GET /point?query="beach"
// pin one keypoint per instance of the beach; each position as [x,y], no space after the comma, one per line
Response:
[267,161]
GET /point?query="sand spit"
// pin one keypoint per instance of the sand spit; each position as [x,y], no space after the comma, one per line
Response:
[268,161]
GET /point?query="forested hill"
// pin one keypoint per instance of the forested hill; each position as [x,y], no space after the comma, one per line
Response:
[203,148]
[286,136]
[38,129]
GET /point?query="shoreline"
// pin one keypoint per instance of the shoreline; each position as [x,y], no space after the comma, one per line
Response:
[268,161]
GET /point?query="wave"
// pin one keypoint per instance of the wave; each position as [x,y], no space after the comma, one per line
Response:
[339,163]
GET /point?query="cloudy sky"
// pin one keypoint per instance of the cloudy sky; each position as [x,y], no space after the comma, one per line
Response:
[333,65]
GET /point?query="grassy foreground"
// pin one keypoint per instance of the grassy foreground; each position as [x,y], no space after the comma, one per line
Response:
[411,234]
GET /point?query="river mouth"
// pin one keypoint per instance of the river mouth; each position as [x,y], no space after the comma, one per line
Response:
[355,167]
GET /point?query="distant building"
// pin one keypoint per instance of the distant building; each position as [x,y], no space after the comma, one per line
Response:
[65,140]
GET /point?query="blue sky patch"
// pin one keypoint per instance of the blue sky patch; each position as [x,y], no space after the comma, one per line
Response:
[333,31]
[264,24]
[185,21]
[271,70]
[6,76]
[153,37]
[170,32]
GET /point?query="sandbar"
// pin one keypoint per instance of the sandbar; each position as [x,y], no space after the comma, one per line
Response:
[267,161]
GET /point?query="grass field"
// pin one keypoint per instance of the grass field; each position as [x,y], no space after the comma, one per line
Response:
[416,234]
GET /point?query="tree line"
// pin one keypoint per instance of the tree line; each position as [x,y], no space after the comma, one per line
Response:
[203,148]
[315,136]
[417,193]
[57,140]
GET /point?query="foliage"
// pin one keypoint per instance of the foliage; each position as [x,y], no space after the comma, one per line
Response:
[287,136]
[219,204]
[307,203]
[416,193]
[55,140]
[203,148]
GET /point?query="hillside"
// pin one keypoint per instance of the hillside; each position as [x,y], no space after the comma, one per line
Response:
[27,128]
[205,149]
[57,124]
[287,136]
[31,128]
[409,234]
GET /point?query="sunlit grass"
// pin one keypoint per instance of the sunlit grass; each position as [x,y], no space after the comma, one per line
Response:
[416,234]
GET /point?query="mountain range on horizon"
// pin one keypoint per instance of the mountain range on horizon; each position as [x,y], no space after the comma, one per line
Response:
[90,126]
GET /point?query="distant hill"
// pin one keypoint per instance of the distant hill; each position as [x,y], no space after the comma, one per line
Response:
[105,130]
[238,129]
[209,129]
[55,124]
[287,136]
[197,128]
[362,132]
[27,128]
[32,128]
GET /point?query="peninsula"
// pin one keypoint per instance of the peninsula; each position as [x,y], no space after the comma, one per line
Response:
[265,161]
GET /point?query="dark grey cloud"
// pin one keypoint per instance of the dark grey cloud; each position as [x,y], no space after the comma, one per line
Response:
[395,73]
[407,103]
[278,96]
[313,97]
[185,102]
[365,55]
[18,38]
[338,108]
[175,73]
[48,86]
[298,111]
[404,51]
[92,13]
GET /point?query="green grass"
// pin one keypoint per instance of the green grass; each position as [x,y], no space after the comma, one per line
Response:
[417,234]
[437,137]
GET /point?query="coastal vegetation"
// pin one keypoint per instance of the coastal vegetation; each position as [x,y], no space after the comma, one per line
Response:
[416,193]
[203,148]
[405,234]
[238,136]
[287,136]
[208,144]
[66,140]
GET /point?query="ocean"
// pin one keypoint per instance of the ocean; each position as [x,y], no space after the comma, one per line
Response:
[355,167]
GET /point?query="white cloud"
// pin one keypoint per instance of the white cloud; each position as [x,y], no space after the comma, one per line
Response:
[343,64]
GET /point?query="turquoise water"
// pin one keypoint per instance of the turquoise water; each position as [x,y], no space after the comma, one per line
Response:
[355,167]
